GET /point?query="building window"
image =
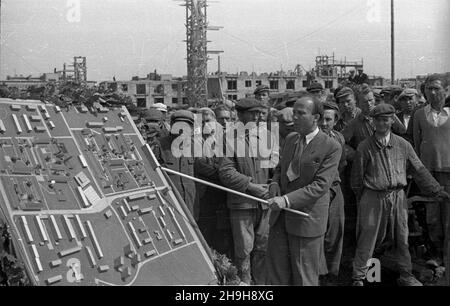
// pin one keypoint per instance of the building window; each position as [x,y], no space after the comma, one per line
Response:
[159,100]
[273,84]
[234,97]
[159,89]
[141,89]
[258,82]
[174,87]
[232,84]
[141,102]
[112,86]
[290,84]
[184,100]
[174,100]
[124,87]
[329,84]
[248,83]
[305,84]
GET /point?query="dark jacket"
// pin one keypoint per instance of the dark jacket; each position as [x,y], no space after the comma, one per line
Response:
[236,173]
[384,168]
[310,192]
[185,165]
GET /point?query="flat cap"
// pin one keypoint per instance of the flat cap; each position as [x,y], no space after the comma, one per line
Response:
[345,91]
[160,106]
[153,114]
[331,105]
[182,115]
[383,109]
[293,97]
[286,115]
[408,92]
[314,87]
[153,129]
[260,89]
[249,104]
[391,89]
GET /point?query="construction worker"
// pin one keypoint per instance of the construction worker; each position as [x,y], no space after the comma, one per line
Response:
[223,115]
[249,219]
[316,89]
[362,127]
[408,102]
[154,116]
[345,98]
[308,167]
[182,133]
[361,77]
[378,178]
[214,219]
[431,133]
[352,76]
[262,94]
[334,236]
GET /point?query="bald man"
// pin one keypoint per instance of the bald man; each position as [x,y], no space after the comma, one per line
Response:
[308,167]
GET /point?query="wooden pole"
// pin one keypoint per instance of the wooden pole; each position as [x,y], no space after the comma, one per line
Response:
[392,44]
[228,190]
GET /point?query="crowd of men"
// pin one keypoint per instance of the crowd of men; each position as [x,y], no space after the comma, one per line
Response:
[346,160]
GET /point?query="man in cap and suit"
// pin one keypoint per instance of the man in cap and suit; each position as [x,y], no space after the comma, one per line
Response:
[361,77]
[316,89]
[155,117]
[334,236]
[378,178]
[345,98]
[431,133]
[163,109]
[262,94]
[352,76]
[249,218]
[183,130]
[308,167]
[408,102]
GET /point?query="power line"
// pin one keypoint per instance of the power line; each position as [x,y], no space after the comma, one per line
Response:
[290,43]
[319,29]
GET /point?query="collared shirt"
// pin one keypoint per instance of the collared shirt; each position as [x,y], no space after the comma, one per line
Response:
[384,140]
[346,119]
[311,135]
[435,117]
[362,127]
[406,119]
[308,139]
[383,168]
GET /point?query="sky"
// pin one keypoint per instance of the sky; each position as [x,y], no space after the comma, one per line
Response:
[125,38]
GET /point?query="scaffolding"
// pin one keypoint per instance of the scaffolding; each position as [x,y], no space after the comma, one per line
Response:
[328,68]
[77,71]
[197,55]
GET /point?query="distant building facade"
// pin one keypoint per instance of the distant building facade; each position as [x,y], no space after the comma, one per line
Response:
[243,84]
[155,88]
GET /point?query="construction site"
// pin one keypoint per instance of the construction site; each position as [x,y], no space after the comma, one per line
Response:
[92,193]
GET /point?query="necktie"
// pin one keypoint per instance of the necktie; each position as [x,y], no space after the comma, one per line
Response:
[294,167]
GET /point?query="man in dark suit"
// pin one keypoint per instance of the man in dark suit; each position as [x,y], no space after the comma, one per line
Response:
[361,77]
[308,166]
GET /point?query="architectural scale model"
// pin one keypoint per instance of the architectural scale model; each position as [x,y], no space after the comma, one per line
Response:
[86,204]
